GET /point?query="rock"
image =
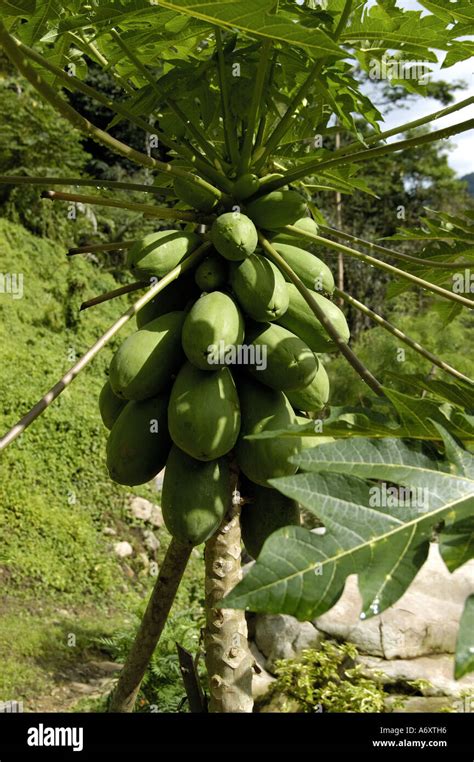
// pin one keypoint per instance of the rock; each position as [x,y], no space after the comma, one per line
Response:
[425,620]
[418,704]
[150,540]
[436,670]
[159,480]
[123,549]
[261,680]
[109,531]
[283,637]
[156,517]
[145,511]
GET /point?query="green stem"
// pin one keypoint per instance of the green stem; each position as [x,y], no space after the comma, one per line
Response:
[346,12]
[255,105]
[162,213]
[73,372]
[82,181]
[438,290]
[319,313]
[230,134]
[93,248]
[93,52]
[261,132]
[84,125]
[197,133]
[107,297]
[402,336]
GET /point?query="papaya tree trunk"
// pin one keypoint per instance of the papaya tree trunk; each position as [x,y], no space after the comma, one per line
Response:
[174,564]
[228,659]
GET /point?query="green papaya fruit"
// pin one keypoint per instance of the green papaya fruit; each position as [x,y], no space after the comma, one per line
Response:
[234,236]
[176,296]
[300,320]
[313,397]
[314,273]
[305,224]
[146,361]
[245,186]
[204,412]
[213,324]
[211,274]
[194,195]
[260,288]
[286,362]
[266,511]
[272,176]
[110,406]
[195,496]
[139,442]
[157,253]
[308,442]
[277,209]
[264,409]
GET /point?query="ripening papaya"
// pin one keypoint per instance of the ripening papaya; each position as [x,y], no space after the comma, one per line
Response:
[213,324]
[314,273]
[306,225]
[204,412]
[176,296]
[212,274]
[146,361]
[300,320]
[264,409]
[110,406]
[266,511]
[260,288]
[283,361]
[139,442]
[245,186]
[313,397]
[194,195]
[195,496]
[157,253]
[277,209]
[308,442]
[234,236]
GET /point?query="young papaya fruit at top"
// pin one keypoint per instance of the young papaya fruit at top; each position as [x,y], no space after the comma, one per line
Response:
[139,442]
[300,320]
[146,361]
[234,236]
[313,397]
[314,273]
[260,288]
[308,442]
[270,177]
[212,274]
[287,363]
[213,323]
[195,496]
[264,409]
[176,296]
[157,253]
[195,195]
[245,186]
[110,406]
[277,209]
[306,225]
[204,412]
[266,511]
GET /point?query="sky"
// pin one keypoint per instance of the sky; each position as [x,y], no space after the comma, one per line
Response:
[461,153]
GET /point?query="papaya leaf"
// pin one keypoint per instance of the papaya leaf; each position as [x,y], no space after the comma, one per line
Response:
[456,543]
[382,537]
[464,661]
[23,8]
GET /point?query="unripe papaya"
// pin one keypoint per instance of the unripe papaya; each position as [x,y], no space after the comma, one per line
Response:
[308,442]
[146,361]
[277,209]
[158,253]
[314,273]
[110,406]
[286,361]
[195,496]
[234,236]
[305,224]
[139,442]
[266,511]
[313,397]
[195,195]
[211,274]
[245,186]
[260,288]
[204,412]
[213,324]
[176,296]
[300,320]
[272,176]
[264,409]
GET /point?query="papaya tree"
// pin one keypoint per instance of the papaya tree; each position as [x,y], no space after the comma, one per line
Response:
[224,379]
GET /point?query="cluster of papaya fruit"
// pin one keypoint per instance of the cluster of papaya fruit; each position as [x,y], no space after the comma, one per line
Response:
[228,350]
